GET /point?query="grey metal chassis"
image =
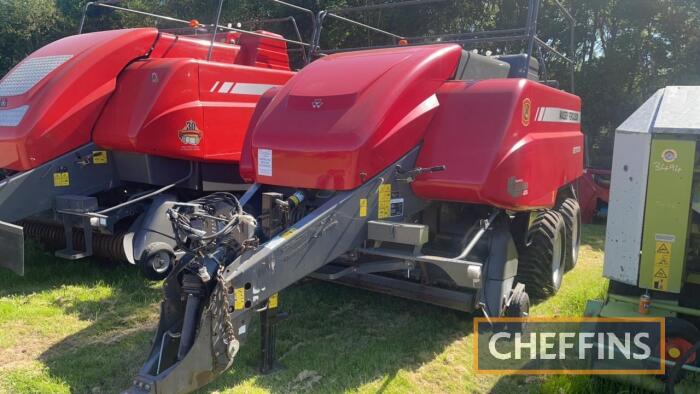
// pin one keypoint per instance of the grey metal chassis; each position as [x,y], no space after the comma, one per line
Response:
[31,192]
[330,231]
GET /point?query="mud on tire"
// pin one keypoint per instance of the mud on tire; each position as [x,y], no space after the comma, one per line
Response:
[571,211]
[541,261]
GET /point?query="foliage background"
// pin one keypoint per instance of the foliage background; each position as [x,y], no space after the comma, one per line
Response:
[625,49]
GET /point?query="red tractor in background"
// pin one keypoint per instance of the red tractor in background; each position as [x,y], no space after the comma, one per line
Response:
[594,194]
[418,169]
[101,132]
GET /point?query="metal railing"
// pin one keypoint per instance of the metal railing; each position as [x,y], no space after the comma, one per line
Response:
[526,34]
[215,27]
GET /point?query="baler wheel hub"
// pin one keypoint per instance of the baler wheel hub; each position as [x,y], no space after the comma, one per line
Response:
[676,347]
[161,262]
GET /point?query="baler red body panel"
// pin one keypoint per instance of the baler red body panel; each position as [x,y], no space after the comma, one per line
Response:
[141,91]
[496,152]
[63,106]
[346,117]
[185,109]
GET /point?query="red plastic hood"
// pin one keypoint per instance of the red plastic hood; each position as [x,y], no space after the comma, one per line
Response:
[346,117]
[184,108]
[49,102]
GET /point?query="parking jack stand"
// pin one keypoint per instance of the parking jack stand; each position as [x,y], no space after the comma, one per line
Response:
[268,322]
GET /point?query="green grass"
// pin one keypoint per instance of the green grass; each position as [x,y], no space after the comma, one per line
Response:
[85,327]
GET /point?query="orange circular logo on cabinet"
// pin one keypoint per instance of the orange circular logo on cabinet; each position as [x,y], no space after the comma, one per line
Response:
[527,106]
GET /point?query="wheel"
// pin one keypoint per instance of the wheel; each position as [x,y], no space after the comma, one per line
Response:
[519,307]
[157,266]
[681,335]
[571,211]
[541,262]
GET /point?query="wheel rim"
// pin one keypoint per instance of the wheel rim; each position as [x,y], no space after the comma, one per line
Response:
[161,262]
[557,260]
[680,346]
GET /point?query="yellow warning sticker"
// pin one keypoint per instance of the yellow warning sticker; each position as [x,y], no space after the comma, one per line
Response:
[662,265]
[61,179]
[363,207]
[287,234]
[384,201]
[239,296]
[273,301]
[99,157]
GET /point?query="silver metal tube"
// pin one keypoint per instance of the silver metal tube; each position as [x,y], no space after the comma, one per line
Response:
[478,236]
[145,196]
[572,49]
[566,13]
[294,25]
[478,34]
[252,33]
[368,27]
[82,20]
[385,5]
[532,28]
[465,41]
[554,51]
[213,36]
[296,7]
[167,18]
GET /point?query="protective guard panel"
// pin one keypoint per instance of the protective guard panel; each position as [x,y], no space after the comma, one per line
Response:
[12,247]
[667,214]
[51,100]
[346,117]
[510,143]
[186,109]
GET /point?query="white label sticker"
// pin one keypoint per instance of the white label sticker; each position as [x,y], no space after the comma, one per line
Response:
[265,162]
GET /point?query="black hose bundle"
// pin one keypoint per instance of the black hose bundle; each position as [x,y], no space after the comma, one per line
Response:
[207,221]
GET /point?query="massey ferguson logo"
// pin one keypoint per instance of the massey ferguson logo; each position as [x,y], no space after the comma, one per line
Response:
[317,103]
[190,135]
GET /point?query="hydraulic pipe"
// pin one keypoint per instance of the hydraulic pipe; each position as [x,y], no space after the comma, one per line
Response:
[478,236]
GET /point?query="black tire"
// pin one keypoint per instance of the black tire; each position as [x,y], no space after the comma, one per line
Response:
[157,266]
[682,329]
[545,250]
[519,307]
[571,211]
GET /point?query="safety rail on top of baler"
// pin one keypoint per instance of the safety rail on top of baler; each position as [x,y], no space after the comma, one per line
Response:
[216,26]
[527,33]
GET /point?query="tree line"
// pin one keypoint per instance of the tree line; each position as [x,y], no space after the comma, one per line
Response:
[624,49]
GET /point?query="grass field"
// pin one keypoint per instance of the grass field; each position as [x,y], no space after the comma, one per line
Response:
[85,327]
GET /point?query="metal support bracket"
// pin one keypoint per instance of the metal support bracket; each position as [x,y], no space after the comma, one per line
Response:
[366,268]
[83,222]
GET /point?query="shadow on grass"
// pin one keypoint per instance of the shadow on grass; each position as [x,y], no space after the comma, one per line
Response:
[336,338]
[344,338]
[119,304]
[44,271]
[593,235]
